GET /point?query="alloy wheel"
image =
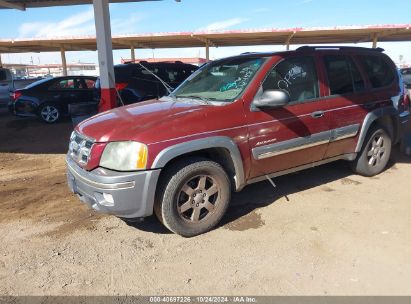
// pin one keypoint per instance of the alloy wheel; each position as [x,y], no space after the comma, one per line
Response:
[376,150]
[198,198]
[49,114]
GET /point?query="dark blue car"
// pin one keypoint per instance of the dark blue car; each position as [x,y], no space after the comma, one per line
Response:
[49,99]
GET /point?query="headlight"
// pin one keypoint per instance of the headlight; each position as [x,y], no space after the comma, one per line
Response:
[124,156]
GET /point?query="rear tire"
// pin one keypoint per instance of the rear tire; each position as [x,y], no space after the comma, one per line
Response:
[374,154]
[193,196]
[49,113]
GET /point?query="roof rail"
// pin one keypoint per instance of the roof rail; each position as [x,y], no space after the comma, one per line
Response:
[327,47]
[247,53]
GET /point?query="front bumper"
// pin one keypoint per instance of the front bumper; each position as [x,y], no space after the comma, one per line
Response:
[124,194]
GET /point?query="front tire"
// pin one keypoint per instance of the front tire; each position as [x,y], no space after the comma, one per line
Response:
[193,196]
[374,154]
[49,113]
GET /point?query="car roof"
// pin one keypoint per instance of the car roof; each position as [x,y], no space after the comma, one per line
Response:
[311,49]
[156,64]
[70,76]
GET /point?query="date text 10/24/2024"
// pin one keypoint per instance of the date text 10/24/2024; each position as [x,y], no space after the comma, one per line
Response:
[202,299]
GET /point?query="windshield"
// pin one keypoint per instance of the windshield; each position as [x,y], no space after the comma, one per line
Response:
[222,80]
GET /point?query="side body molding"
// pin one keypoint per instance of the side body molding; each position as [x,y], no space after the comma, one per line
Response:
[370,118]
[205,143]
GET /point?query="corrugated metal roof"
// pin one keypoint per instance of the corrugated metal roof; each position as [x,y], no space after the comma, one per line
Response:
[332,35]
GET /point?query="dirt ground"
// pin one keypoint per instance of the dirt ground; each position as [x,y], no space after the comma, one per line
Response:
[324,231]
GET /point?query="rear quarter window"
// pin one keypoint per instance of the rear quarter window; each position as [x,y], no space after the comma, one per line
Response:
[378,70]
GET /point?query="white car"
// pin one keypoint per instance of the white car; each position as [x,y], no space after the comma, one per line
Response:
[6,86]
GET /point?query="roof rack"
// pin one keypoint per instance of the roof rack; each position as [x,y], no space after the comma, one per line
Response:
[358,48]
[248,53]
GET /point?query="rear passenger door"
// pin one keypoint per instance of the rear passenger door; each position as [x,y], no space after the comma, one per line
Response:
[348,99]
[293,135]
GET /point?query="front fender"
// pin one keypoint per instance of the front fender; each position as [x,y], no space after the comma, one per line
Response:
[172,152]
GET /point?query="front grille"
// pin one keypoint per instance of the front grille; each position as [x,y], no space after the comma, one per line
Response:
[80,148]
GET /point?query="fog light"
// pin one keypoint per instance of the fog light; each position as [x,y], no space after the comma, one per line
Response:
[108,200]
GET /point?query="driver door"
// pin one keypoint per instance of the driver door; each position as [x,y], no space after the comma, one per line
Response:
[293,135]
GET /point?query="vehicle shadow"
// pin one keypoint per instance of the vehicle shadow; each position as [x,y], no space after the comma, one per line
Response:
[30,135]
[262,194]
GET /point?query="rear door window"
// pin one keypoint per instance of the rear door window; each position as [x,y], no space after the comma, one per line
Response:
[343,75]
[66,84]
[145,74]
[89,83]
[378,70]
[172,74]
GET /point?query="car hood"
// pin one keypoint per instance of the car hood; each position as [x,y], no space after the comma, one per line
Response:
[146,122]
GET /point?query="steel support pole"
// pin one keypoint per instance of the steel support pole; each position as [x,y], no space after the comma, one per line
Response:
[63,60]
[207,49]
[374,41]
[133,54]
[105,54]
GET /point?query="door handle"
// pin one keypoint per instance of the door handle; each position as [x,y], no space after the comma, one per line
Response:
[317,114]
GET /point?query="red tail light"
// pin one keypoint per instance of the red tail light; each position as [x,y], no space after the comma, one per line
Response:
[121,85]
[15,95]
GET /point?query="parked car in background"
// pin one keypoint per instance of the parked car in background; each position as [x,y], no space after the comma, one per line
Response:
[6,85]
[9,83]
[237,121]
[402,103]
[136,82]
[50,98]
[406,75]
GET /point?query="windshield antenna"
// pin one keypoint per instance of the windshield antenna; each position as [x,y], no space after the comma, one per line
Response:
[165,84]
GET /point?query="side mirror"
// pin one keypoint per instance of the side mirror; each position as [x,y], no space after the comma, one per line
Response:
[272,99]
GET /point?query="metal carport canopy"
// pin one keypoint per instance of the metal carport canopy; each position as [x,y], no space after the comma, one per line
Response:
[350,34]
[103,40]
[23,4]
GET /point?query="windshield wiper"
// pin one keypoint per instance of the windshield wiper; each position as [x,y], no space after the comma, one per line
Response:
[205,100]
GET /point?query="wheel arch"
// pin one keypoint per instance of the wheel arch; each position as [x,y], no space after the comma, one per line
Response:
[386,117]
[221,149]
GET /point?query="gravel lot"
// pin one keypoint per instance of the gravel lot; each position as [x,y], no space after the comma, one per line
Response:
[324,231]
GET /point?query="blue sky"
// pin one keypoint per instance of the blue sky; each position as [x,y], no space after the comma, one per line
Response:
[192,15]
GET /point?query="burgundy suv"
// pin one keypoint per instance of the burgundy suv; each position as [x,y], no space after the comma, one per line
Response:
[234,122]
